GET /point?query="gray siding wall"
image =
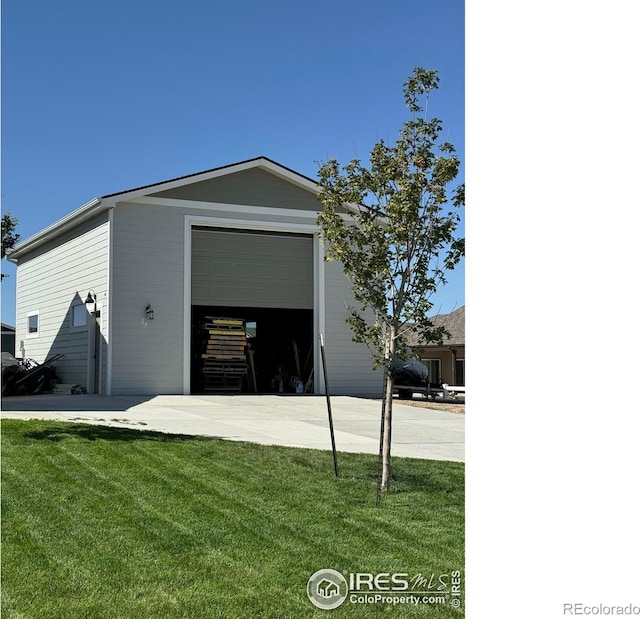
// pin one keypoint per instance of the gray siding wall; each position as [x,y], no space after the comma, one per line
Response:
[148,265]
[349,364]
[50,281]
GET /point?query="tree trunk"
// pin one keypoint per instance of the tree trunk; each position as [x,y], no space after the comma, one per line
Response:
[387,406]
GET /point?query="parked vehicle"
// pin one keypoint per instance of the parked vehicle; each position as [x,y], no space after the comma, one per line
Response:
[409,376]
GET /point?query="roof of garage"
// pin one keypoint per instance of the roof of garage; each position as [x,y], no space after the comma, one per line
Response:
[97,205]
[231,168]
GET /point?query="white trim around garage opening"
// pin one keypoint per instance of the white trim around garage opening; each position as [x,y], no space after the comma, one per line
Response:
[318,311]
[318,280]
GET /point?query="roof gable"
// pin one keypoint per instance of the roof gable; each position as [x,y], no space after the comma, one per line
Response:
[259,163]
[254,186]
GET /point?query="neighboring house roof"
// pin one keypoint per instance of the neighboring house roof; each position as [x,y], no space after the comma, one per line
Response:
[453,323]
[8,328]
[97,205]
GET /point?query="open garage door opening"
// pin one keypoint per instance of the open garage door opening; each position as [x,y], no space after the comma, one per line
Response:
[275,356]
[252,311]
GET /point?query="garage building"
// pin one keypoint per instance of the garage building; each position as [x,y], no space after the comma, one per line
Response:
[125,285]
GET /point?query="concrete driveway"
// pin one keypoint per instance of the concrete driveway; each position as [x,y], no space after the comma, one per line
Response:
[292,421]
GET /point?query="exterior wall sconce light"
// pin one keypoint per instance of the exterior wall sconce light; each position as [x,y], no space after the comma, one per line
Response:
[92,302]
[148,312]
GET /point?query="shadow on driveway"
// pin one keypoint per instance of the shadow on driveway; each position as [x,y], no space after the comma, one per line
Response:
[71,403]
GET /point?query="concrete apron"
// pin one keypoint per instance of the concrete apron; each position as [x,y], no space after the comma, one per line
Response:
[292,421]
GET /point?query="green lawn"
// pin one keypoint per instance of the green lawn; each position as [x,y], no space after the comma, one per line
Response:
[116,523]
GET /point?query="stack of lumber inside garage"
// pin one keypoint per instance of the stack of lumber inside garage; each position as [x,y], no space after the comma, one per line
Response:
[224,357]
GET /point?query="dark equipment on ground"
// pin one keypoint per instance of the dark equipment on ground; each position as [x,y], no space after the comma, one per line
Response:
[411,376]
[410,372]
[26,376]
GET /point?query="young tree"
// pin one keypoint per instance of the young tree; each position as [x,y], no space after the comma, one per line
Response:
[392,225]
[9,236]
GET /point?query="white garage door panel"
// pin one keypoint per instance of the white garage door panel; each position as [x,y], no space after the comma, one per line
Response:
[240,269]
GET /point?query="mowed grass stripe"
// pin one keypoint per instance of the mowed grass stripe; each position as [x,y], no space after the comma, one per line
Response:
[66,466]
[243,513]
[169,525]
[237,515]
[111,522]
[232,568]
[222,497]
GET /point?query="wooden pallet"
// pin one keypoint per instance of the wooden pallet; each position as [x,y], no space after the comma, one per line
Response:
[223,323]
[224,362]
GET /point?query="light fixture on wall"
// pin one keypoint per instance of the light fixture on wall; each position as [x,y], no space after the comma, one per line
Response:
[91,302]
[148,312]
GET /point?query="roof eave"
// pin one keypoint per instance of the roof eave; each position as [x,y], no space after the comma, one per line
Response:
[86,211]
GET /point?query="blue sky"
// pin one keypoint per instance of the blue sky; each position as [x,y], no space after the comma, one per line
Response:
[103,97]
